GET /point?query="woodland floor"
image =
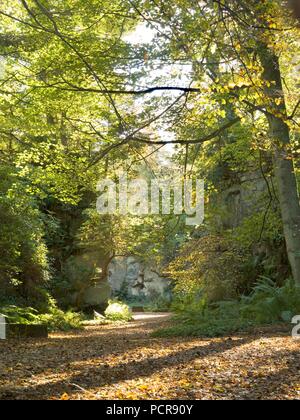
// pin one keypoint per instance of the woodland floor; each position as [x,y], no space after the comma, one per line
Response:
[113,362]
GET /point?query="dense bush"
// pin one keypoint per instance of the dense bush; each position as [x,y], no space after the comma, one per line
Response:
[262,235]
[213,264]
[216,290]
[161,304]
[24,270]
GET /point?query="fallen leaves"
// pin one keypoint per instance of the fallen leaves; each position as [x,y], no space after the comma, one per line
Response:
[125,362]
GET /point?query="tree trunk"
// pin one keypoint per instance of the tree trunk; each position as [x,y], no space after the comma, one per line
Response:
[282,160]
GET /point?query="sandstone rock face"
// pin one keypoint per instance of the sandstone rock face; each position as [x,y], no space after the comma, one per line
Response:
[241,200]
[128,278]
[127,275]
[97,295]
[87,269]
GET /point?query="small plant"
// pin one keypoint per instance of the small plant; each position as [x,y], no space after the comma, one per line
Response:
[118,311]
[18,315]
[159,305]
[58,320]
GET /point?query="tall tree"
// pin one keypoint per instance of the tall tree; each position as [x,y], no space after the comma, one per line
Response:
[283,164]
[247,39]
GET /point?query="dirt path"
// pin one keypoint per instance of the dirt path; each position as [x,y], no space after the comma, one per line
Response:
[127,363]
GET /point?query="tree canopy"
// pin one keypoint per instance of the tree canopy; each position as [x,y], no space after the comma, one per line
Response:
[92,88]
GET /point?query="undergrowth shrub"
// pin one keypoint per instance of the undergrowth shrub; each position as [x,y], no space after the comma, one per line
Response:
[118,311]
[161,304]
[213,264]
[264,239]
[59,320]
[55,319]
[267,304]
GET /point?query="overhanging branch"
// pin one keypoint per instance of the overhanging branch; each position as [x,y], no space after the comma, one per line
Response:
[130,138]
[75,88]
[204,139]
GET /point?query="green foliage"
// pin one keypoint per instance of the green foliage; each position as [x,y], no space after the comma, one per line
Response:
[24,268]
[55,319]
[58,123]
[18,315]
[267,304]
[254,229]
[118,311]
[160,304]
[262,235]
[213,264]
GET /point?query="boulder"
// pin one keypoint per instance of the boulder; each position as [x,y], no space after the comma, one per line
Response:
[97,295]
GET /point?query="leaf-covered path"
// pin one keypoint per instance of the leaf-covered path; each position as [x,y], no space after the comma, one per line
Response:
[113,362]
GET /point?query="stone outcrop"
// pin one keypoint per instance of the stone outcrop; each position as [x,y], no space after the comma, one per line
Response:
[130,277]
[241,200]
[97,295]
[84,274]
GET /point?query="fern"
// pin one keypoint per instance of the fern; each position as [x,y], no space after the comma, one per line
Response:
[267,304]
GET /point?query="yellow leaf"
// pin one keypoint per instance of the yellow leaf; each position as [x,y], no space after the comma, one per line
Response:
[65,397]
